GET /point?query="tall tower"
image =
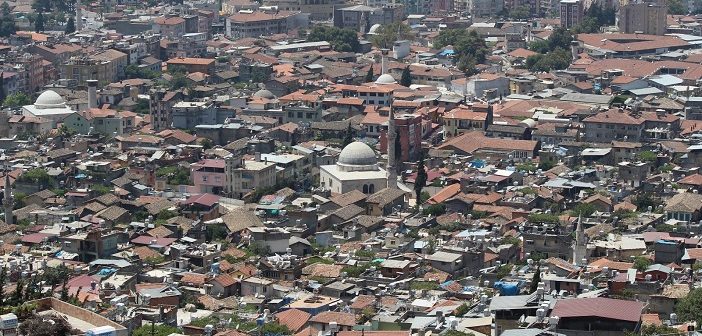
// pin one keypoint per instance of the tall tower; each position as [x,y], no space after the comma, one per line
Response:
[79,17]
[580,247]
[8,201]
[392,135]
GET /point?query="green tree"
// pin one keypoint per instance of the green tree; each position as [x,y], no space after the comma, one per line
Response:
[535,280]
[341,39]
[643,201]
[583,209]
[466,43]
[180,81]
[16,297]
[158,330]
[7,21]
[369,75]
[17,99]
[70,26]
[421,179]
[560,38]
[648,156]
[435,210]
[275,329]
[206,143]
[655,330]
[348,136]
[642,263]
[3,280]
[406,79]
[142,106]
[135,71]
[520,13]
[387,35]
[540,46]
[676,7]
[39,23]
[688,308]
[64,292]
[558,59]
[461,310]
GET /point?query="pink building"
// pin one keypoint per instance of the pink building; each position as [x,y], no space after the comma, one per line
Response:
[208,176]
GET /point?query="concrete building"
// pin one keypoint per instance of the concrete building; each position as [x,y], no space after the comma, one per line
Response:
[571,13]
[243,176]
[257,24]
[319,10]
[644,17]
[49,105]
[484,8]
[362,18]
[356,169]
[187,115]
[208,176]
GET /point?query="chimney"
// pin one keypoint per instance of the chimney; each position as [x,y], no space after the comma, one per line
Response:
[257,156]
[92,93]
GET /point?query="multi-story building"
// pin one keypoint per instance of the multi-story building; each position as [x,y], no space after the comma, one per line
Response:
[571,13]
[613,125]
[362,18]
[480,8]
[208,176]
[409,134]
[161,108]
[187,115]
[173,26]
[192,64]
[319,10]
[91,245]
[257,24]
[243,176]
[643,17]
[106,67]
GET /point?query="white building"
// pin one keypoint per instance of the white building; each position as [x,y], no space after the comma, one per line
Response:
[356,169]
[49,105]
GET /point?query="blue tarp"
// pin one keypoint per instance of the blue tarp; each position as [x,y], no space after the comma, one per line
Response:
[447,52]
[507,288]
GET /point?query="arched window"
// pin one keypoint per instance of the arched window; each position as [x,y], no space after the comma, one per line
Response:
[365,188]
[371,189]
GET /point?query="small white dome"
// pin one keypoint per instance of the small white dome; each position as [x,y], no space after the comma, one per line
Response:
[263,93]
[357,154]
[385,79]
[49,99]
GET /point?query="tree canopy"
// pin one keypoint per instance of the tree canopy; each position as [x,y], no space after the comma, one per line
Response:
[676,7]
[688,308]
[386,35]
[595,18]
[470,49]
[558,59]
[16,100]
[7,21]
[341,39]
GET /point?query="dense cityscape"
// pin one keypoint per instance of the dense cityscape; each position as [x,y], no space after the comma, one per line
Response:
[351,168]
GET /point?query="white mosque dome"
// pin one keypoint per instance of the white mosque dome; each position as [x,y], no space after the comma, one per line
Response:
[385,79]
[49,99]
[359,155]
[263,93]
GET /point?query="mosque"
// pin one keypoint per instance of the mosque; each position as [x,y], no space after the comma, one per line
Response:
[356,169]
[49,105]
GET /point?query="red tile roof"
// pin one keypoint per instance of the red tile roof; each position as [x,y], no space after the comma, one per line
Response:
[202,199]
[614,309]
[294,319]
[342,319]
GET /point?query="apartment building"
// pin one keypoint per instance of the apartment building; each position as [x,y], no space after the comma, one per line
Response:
[257,24]
[244,176]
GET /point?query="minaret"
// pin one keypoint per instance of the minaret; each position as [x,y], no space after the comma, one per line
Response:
[392,134]
[79,17]
[579,249]
[8,201]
